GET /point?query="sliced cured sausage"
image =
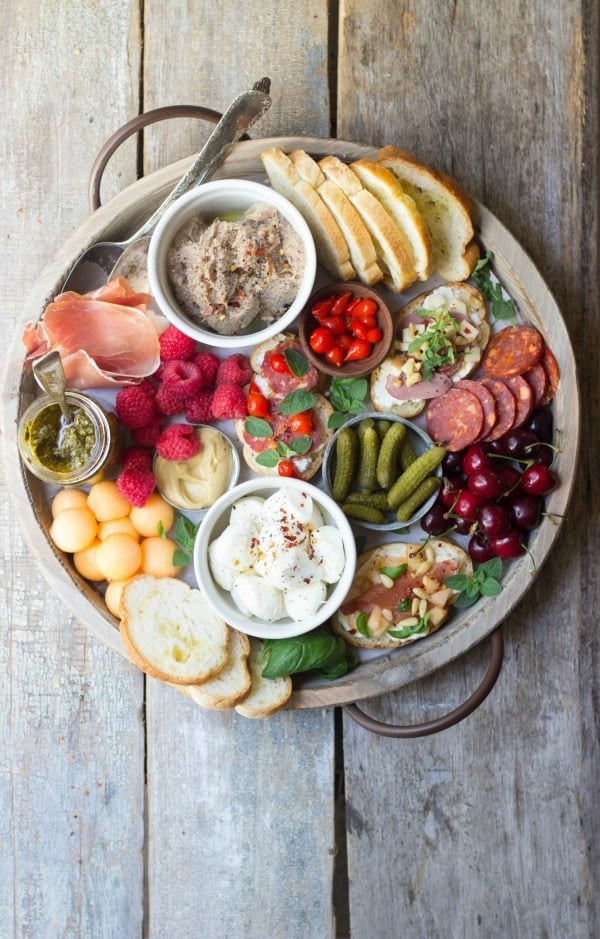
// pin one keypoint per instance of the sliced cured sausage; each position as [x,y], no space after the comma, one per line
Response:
[506,408]
[537,381]
[486,400]
[523,398]
[512,352]
[552,371]
[455,420]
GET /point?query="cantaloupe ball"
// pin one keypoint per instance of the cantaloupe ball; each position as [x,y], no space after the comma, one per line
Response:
[119,556]
[106,502]
[115,525]
[73,529]
[157,557]
[147,518]
[68,499]
[112,597]
[86,563]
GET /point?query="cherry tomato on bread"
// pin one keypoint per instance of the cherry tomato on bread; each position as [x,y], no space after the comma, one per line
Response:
[257,404]
[278,363]
[286,468]
[302,424]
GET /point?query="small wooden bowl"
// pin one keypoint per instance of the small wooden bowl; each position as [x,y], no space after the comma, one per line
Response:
[348,369]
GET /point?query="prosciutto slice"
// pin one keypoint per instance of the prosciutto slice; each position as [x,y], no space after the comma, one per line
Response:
[439,385]
[390,597]
[105,338]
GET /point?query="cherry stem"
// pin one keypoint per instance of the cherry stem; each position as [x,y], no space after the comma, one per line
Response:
[553,515]
[512,459]
[542,443]
[532,570]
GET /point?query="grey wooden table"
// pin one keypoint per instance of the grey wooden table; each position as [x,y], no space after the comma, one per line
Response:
[125,809]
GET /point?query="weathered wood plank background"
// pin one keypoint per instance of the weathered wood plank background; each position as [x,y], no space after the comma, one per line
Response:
[488,830]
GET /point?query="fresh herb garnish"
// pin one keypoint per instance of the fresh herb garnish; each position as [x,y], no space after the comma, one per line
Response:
[401,531]
[298,365]
[268,458]
[347,396]
[160,530]
[282,451]
[361,624]
[485,582]
[434,345]
[500,308]
[319,650]
[394,572]
[257,427]
[184,536]
[420,627]
[297,402]
[404,605]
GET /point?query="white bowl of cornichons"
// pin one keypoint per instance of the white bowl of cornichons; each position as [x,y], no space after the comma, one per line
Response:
[231,263]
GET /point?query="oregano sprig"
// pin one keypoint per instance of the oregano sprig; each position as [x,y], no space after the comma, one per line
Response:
[484,582]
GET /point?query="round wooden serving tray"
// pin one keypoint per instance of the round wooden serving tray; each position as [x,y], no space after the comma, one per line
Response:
[122,215]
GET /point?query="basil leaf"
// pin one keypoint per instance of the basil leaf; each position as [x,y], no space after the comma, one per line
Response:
[297,402]
[301,445]
[319,649]
[463,601]
[336,420]
[181,558]
[361,625]
[490,587]
[457,581]
[337,671]
[492,568]
[257,427]
[297,363]
[347,393]
[394,572]
[404,605]
[268,458]
[407,631]
[355,407]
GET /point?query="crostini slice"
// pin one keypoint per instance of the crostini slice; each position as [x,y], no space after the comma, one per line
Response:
[267,695]
[232,684]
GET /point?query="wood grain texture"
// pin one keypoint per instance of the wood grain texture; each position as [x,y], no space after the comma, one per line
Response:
[492,828]
[71,739]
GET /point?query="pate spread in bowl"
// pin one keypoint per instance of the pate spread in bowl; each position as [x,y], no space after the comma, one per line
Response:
[231,262]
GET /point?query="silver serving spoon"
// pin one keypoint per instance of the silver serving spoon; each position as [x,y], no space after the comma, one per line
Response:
[49,374]
[96,265]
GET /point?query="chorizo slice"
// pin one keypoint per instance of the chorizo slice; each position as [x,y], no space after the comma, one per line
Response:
[512,352]
[521,389]
[486,400]
[506,408]
[455,420]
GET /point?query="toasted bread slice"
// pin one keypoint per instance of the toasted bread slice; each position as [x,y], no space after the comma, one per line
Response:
[232,684]
[270,345]
[446,208]
[358,239]
[330,243]
[403,209]
[344,624]
[306,466]
[170,632]
[391,247]
[382,400]
[267,695]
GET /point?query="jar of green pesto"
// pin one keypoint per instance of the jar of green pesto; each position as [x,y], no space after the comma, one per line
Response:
[68,454]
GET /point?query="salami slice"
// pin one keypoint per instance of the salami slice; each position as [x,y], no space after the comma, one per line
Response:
[512,351]
[506,408]
[523,397]
[552,371]
[455,420]
[537,381]
[486,400]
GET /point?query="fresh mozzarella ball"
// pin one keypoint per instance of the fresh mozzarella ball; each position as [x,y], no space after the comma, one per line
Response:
[289,502]
[304,601]
[249,508]
[258,598]
[232,553]
[290,568]
[316,519]
[327,549]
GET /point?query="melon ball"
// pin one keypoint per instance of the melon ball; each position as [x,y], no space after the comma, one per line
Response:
[112,597]
[147,518]
[106,502]
[86,563]
[73,529]
[119,556]
[157,557]
[68,499]
[117,525]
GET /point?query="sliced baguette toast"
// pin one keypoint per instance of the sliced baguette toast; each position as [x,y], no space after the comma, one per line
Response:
[170,632]
[267,695]
[330,243]
[232,684]
[358,239]
[392,249]
[270,345]
[446,208]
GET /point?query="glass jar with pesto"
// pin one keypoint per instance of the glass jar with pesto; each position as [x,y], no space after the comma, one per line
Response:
[68,454]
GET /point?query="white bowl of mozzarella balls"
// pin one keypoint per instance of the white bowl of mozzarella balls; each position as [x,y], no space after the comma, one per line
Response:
[275,557]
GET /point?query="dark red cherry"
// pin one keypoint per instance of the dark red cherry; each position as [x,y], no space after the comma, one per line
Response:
[509,545]
[487,484]
[510,476]
[524,511]
[463,525]
[538,480]
[452,463]
[497,446]
[540,423]
[494,520]
[480,549]
[435,522]
[475,460]
[542,454]
[467,504]
[450,489]
[517,442]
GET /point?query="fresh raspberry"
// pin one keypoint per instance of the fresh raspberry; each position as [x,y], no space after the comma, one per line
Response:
[178,442]
[136,458]
[184,378]
[208,363]
[147,386]
[176,345]
[229,402]
[199,409]
[147,435]
[236,370]
[160,371]
[135,407]
[168,401]
[136,485]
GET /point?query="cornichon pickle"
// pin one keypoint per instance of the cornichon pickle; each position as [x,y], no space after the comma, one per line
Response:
[365,513]
[377,500]
[367,464]
[407,455]
[423,491]
[346,461]
[388,455]
[364,425]
[382,428]
[414,476]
